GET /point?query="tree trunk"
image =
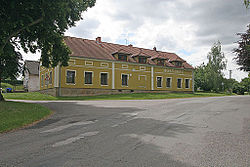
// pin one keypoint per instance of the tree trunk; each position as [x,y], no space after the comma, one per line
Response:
[1,96]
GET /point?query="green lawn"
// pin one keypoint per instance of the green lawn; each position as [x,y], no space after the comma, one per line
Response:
[15,114]
[130,96]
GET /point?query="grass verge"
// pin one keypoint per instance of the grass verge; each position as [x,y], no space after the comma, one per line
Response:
[14,115]
[130,96]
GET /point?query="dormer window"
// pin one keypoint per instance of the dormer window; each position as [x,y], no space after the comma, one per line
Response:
[142,59]
[160,62]
[122,57]
[177,63]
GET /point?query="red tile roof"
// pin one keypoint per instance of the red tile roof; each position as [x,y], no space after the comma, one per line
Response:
[104,50]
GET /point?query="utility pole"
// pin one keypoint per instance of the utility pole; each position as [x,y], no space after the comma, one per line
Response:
[230,77]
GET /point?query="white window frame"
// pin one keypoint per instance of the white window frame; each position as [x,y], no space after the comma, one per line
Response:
[143,68]
[104,65]
[89,63]
[42,79]
[92,77]
[177,83]
[170,82]
[188,83]
[66,77]
[72,61]
[107,78]
[157,81]
[124,65]
[50,77]
[127,79]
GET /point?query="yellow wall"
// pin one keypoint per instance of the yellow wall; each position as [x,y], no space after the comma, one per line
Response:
[43,72]
[139,75]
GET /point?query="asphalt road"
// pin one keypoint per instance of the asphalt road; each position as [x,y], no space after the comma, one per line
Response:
[211,131]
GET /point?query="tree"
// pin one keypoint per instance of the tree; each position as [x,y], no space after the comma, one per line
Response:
[216,64]
[243,51]
[209,77]
[37,25]
[246,3]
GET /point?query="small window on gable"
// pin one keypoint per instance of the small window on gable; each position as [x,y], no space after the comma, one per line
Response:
[178,63]
[160,62]
[104,65]
[142,59]
[89,63]
[142,68]
[122,57]
[124,66]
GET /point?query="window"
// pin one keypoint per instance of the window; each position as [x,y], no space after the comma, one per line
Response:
[159,82]
[179,80]
[179,64]
[122,57]
[142,59]
[50,77]
[124,66]
[160,62]
[42,80]
[89,63]
[46,78]
[168,82]
[124,80]
[104,65]
[88,77]
[142,68]
[187,83]
[70,77]
[104,78]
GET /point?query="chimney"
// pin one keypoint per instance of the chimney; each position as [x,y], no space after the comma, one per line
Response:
[130,45]
[98,40]
[154,48]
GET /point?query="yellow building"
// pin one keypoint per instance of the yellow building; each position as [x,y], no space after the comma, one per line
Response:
[97,67]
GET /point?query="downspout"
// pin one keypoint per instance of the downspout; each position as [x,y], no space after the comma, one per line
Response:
[152,78]
[113,75]
[193,81]
[59,82]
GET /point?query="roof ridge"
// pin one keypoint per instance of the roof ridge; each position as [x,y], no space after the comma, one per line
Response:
[120,45]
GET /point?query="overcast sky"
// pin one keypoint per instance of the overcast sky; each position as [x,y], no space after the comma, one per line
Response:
[188,28]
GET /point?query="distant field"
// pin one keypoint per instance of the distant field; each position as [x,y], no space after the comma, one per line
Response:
[15,114]
[130,96]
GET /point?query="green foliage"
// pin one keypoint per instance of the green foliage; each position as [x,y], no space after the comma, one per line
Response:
[246,3]
[243,51]
[7,85]
[36,25]
[209,77]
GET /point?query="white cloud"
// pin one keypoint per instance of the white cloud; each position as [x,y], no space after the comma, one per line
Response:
[188,28]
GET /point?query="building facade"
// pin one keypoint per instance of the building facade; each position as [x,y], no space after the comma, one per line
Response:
[97,67]
[31,80]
